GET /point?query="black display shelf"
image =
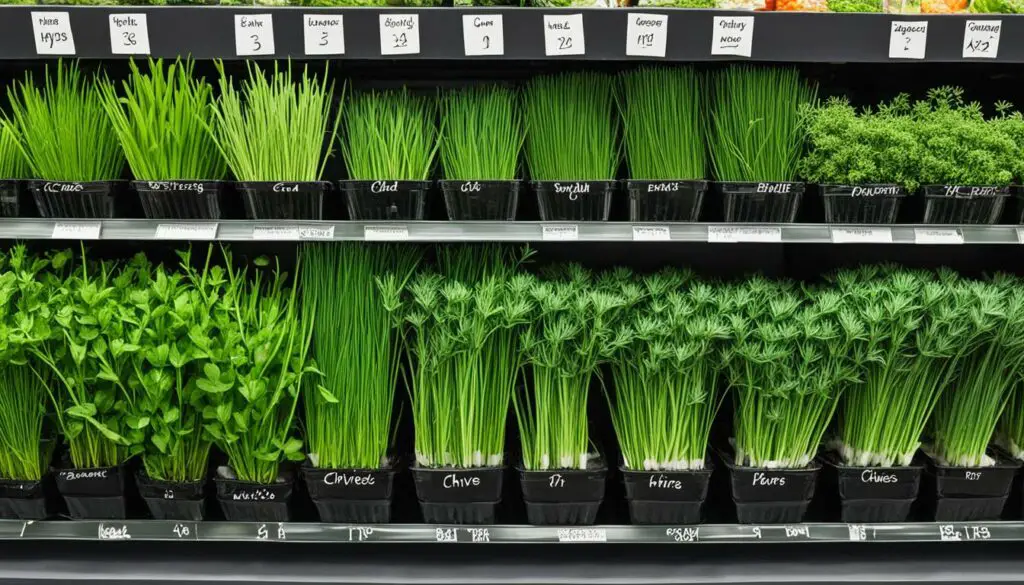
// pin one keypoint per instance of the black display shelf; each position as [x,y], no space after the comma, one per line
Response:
[210,32]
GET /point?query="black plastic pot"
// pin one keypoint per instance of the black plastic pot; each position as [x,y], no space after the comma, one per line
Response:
[967,494]
[94,494]
[385,200]
[876,494]
[666,497]
[876,203]
[170,500]
[244,501]
[574,200]
[563,496]
[60,200]
[23,500]
[10,198]
[283,200]
[180,199]
[481,200]
[772,496]
[350,495]
[665,200]
[458,496]
[963,204]
[760,202]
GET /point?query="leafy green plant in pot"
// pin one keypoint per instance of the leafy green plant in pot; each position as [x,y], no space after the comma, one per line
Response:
[347,293]
[276,136]
[13,170]
[160,118]
[69,143]
[389,140]
[572,145]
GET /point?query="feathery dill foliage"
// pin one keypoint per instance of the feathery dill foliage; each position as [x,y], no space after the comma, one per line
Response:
[63,128]
[389,135]
[275,129]
[12,158]
[571,127]
[348,292]
[663,123]
[756,129]
[481,133]
[160,118]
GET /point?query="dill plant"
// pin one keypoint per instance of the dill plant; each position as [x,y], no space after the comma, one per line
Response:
[389,135]
[663,123]
[481,133]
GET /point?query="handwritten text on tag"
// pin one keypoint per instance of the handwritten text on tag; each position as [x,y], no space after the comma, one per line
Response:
[563,35]
[323,34]
[52,32]
[254,34]
[399,34]
[907,40]
[483,34]
[732,35]
[129,34]
[981,39]
[646,34]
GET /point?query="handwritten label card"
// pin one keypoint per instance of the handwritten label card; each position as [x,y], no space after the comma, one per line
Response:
[981,39]
[129,34]
[646,34]
[563,35]
[483,34]
[399,34]
[311,232]
[732,35]
[907,40]
[254,34]
[52,31]
[323,34]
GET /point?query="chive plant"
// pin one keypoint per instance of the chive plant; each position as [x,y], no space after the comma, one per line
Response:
[663,123]
[389,135]
[63,129]
[756,130]
[12,158]
[481,134]
[160,118]
[571,127]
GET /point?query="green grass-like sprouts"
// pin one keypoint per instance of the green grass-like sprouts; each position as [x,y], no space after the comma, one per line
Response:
[12,158]
[481,134]
[389,135]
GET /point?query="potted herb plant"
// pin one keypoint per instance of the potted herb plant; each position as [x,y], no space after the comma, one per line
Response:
[160,118]
[13,170]
[69,143]
[572,146]
[389,142]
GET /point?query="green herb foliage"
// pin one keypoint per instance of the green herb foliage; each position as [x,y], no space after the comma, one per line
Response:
[389,135]
[481,134]
[12,158]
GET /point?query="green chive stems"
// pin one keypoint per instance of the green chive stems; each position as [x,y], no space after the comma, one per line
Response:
[389,135]
[481,134]
[12,158]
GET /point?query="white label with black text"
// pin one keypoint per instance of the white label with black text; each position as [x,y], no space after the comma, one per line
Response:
[53,35]
[323,34]
[129,34]
[732,35]
[560,233]
[186,231]
[81,230]
[858,532]
[646,34]
[483,34]
[582,535]
[315,232]
[907,40]
[937,236]
[718,234]
[563,35]
[862,235]
[275,232]
[981,39]
[254,34]
[384,233]
[399,34]
[651,233]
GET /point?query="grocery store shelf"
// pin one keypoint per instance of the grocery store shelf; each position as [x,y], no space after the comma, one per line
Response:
[209,32]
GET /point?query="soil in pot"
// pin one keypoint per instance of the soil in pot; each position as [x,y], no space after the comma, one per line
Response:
[243,501]
[574,200]
[967,494]
[360,496]
[666,497]
[481,200]
[459,496]
[180,199]
[760,202]
[169,500]
[961,204]
[876,494]
[95,493]
[665,200]
[69,200]
[563,496]
[771,496]
[862,203]
[283,200]
[386,200]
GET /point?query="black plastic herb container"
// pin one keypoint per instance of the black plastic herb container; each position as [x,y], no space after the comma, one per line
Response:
[24,500]
[563,496]
[876,494]
[665,200]
[10,197]
[180,199]
[95,493]
[771,496]
[244,501]
[458,496]
[169,500]
[283,200]
[71,200]
[667,497]
[574,200]
[386,200]
[963,204]
[876,203]
[760,202]
[350,495]
[481,200]
[969,494]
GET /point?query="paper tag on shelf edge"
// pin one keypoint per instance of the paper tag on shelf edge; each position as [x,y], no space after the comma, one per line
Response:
[77,230]
[275,232]
[399,34]
[732,35]
[720,234]
[651,233]
[938,236]
[254,34]
[483,34]
[862,235]
[981,39]
[908,40]
[314,232]
[129,34]
[563,35]
[646,34]
[186,231]
[560,233]
[384,233]
[52,32]
[323,34]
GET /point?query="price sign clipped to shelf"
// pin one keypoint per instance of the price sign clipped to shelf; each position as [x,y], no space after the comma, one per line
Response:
[646,34]
[385,233]
[129,34]
[651,233]
[732,35]
[560,233]
[399,34]
[52,31]
[254,34]
[483,34]
[907,40]
[77,230]
[186,231]
[720,234]
[938,236]
[981,39]
[323,34]
[862,235]
[563,35]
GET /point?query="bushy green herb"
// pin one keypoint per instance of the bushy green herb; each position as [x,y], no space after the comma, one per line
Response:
[389,135]
[481,134]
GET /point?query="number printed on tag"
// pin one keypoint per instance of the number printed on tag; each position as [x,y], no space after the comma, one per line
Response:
[254,34]
[907,40]
[129,34]
[399,34]
[52,32]
[563,35]
[483,34]
[323,34]
[981,39]
[646,34]
[732,35]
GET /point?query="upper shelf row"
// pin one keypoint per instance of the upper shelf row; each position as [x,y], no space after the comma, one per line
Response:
[28,32]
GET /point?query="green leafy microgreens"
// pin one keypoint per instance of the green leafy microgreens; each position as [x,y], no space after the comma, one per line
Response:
[389,135]
[481,133]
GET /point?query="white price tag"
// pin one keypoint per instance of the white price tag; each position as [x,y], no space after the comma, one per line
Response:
[732,35]
[483,34]
[275,232]
[858,532]
[52,31]
[323,34]
[938,236]
[385,233]
[186,231]
[907,40]
[254,34]
[563,35]
[399,34]
[1020,235]
[314,232]
[560,233]
[651,233]
[78,230]
[129,34]
[948,532]
[718,234]
[981,39]
[112,532]
[582,535]
[646,34]
[862,235]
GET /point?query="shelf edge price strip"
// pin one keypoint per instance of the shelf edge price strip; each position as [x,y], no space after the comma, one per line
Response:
[651,233]
[718,234]
[385,233]
[560,233]
[938,236]
[861,235]
[275,232]
[186,231]
[77,230]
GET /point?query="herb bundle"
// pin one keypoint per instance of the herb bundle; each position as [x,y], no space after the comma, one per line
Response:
[481,134]
[12,158]
[389,135]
